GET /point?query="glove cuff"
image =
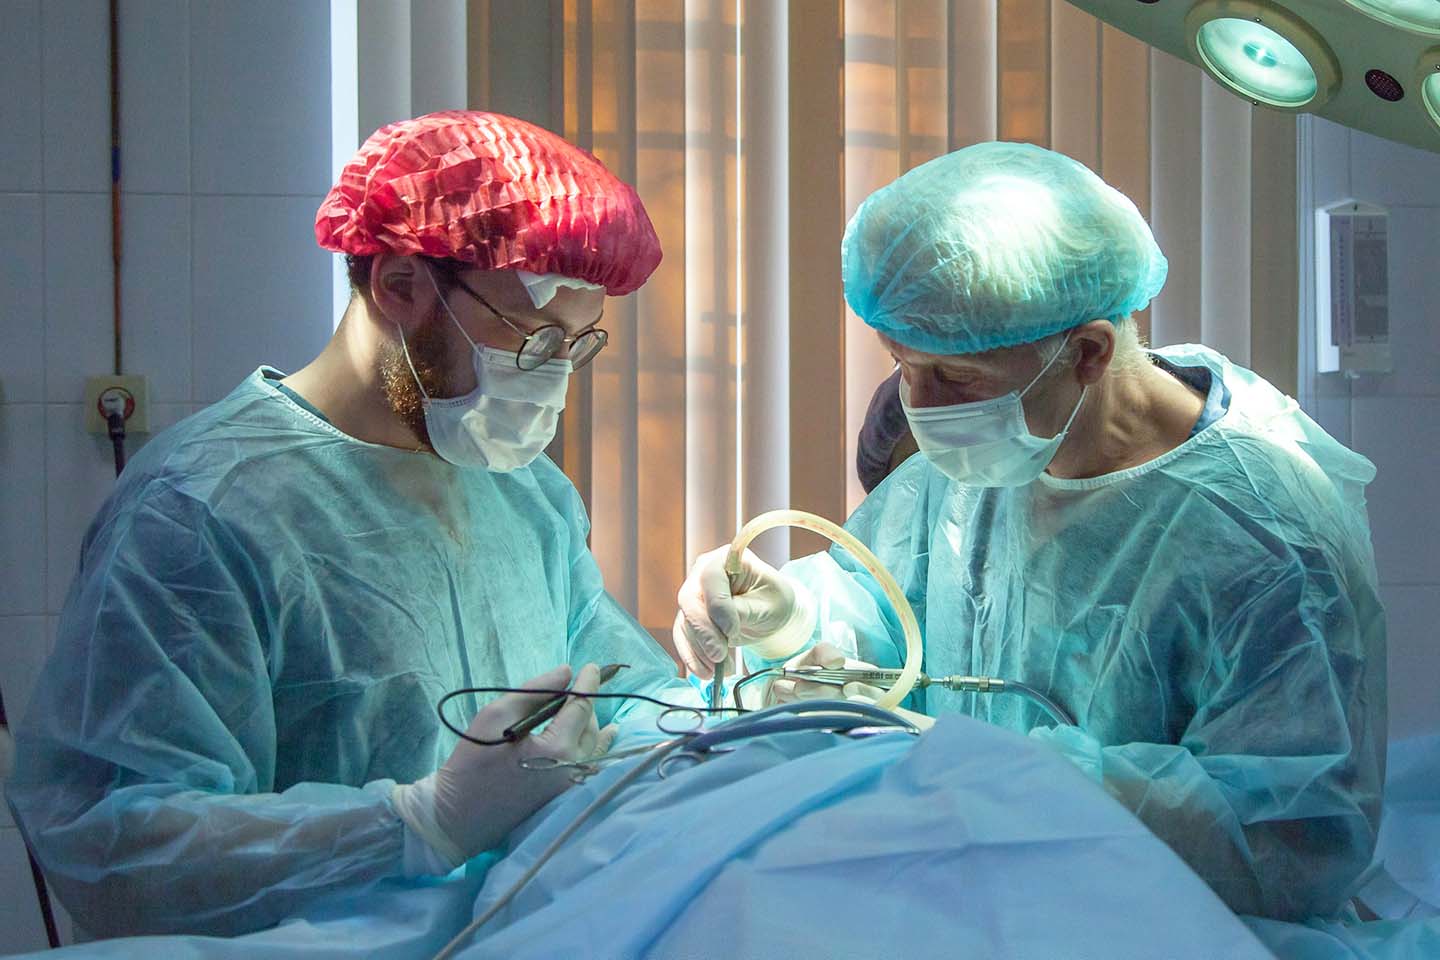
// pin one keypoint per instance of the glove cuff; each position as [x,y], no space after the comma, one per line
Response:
[428,851]
[796,632]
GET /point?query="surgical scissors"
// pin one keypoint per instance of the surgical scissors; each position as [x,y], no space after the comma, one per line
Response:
[696,743]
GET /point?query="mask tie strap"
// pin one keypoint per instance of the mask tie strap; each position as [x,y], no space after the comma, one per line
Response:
[430,275]
[406,351]
[1048,364]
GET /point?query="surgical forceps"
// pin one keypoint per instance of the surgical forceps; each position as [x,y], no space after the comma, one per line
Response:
[884,679]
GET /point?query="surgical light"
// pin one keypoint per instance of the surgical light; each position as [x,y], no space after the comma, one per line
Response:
[1262,53]
[1420,15]
[1430,90]
[1359,55]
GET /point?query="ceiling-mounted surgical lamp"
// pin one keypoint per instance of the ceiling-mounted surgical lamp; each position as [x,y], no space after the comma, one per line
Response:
[1369,64]
[1427,78]
[1422,16]
[1262,52]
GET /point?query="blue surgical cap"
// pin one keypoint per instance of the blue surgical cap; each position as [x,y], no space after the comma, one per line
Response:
[996,245]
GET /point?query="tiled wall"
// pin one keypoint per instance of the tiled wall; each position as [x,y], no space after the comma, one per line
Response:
[1395,419]
[226,139]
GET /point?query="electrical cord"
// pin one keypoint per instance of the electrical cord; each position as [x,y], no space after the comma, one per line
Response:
[115,421]
[782,719]
[42,894]
[440,707]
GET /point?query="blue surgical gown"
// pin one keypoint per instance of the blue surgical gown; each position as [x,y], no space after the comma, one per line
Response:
[266,613]
[1211,618]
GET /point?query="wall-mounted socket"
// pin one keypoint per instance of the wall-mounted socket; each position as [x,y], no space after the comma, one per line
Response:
[129,394]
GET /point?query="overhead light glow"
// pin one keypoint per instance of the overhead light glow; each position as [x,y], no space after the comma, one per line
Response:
[1257,62]
[1430,92]
[1421,15]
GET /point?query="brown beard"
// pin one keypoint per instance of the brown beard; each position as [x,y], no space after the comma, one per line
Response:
[428,347]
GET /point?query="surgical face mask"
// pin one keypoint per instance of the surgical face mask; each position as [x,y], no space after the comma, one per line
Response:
[986,444]
[507,420]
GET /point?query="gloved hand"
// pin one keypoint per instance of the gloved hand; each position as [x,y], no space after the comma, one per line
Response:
[762,608]
[481,793]
[825,655]
[786,690]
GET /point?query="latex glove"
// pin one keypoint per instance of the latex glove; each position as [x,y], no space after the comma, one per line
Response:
[785,690]
[481,793]
[763,608]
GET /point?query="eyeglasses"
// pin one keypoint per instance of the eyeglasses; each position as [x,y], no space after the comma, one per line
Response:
[542,343]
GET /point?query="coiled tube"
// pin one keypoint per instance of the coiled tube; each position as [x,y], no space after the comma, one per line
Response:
[839,535]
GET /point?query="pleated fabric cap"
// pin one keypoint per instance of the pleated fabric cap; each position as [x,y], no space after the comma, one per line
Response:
[494,191]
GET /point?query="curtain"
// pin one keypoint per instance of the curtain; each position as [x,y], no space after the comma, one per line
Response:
[736,380]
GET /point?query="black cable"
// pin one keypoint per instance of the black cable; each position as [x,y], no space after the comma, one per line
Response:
[463,691]
[42,894]
[116,423]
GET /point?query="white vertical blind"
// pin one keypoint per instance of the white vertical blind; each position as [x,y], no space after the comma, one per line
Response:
[737,381]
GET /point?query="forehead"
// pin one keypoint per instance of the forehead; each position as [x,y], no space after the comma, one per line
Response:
[573,309]
[1000,360]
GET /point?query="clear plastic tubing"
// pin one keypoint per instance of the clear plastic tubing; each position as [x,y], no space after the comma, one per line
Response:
[838,535]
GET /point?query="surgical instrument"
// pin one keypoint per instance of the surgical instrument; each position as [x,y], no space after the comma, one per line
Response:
[696,744]
[552,706]
[885,679]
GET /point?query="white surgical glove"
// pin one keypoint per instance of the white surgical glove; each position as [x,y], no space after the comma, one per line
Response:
[763,609]
[786,690]
[482,793]
[825,655]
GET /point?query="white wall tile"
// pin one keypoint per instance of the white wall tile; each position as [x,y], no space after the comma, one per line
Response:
[22,329]
[22,508]
[24,931]
[1331,160]
[1414,659]
[1333,385]
[1386,172]
[155,109]
[1402,436]
[23,648]
[78,294]
[262,288]
[261,102]
[155,292]
[1414,301]
[80,473]
[76,52]
[20,106]
[1333,416]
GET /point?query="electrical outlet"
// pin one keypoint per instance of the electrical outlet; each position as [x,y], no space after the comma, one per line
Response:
[131,392]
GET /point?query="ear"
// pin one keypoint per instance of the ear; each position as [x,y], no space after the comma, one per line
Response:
[1095,342]
[400,289]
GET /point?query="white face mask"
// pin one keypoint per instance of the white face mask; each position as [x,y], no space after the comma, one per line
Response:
[510,416]
[988,443]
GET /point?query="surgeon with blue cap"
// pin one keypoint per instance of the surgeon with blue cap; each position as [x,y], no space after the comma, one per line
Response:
[1159,540]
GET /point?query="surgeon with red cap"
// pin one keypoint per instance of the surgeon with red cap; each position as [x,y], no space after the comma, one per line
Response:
[238,719]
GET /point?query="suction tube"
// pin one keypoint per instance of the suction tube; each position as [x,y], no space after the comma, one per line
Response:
[838,535]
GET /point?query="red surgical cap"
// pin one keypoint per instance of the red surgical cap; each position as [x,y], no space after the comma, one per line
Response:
[494,191]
